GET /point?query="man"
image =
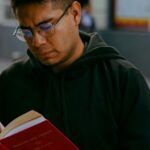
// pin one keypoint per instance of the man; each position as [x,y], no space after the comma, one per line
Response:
[85,88]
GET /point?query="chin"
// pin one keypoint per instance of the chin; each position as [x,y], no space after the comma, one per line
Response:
[47,63]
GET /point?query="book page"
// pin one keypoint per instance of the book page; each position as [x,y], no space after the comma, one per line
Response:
[25,126]
[30,115]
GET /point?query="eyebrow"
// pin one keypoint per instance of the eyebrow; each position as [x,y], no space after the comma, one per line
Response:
[45,21]
[42,22]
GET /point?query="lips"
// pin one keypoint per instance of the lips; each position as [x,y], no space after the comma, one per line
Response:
[45,55]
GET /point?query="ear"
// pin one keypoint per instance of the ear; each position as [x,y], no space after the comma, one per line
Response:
[76,12]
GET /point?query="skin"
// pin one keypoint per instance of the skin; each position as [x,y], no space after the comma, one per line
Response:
[1,127]
[64,46]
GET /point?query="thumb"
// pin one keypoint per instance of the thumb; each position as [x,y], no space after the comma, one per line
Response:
[1,127]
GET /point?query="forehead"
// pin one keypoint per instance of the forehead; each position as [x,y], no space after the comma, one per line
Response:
[35,13]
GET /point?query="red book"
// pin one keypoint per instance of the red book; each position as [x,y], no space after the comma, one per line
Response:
[31,131]
[2,147]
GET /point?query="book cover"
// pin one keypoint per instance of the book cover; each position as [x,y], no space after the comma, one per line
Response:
[34,132]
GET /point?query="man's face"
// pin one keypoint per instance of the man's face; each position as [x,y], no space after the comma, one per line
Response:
[61,45]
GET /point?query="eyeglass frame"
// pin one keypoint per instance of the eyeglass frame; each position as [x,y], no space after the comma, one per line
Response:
[19,34]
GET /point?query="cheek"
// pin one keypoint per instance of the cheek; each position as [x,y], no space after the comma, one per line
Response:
[66,35]
[65,30]
[61,40]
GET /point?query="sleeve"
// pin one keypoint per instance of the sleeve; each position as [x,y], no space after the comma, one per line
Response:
[135,111]
[2,98]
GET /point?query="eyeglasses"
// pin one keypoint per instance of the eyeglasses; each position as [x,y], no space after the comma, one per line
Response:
[44,29]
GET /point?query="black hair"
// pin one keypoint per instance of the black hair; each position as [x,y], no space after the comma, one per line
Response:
[62,3]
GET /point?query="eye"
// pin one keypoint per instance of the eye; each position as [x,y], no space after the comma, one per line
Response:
[26,32]
[45,26]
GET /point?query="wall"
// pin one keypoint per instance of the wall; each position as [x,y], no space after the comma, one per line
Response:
[100,12]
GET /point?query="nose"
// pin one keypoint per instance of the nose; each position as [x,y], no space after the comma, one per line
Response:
[38,40]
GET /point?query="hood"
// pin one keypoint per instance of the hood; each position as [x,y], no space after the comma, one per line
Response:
[95,49]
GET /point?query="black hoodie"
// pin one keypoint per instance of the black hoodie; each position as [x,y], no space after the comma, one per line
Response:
[101,101]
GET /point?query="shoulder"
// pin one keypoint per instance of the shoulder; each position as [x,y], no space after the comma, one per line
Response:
[124,73]
[17,69]
[130,78]
[125,67]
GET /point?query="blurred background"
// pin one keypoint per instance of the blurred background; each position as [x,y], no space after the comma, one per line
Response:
[124,24]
